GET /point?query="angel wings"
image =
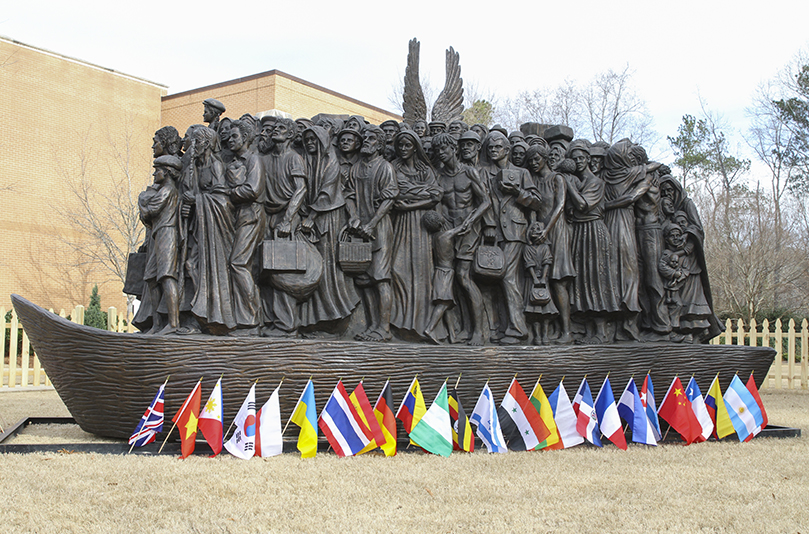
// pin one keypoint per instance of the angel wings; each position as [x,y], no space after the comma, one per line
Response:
[448,106]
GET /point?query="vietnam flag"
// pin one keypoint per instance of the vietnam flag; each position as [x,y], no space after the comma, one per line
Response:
[676,410]
[186,419]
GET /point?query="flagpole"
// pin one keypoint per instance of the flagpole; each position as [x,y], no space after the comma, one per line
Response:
[144,422]
[296,405]
[234,419]
[459,380]
[175,422]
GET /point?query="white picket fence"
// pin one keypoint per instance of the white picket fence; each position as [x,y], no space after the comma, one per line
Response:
[24,370]
[789,371]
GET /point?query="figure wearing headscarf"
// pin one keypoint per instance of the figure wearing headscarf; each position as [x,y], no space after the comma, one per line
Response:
[622,175]
[335,298]
[412,271]
[213,231]
[594,294]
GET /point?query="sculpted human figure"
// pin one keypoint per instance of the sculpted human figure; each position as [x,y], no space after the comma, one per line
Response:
[539,306]
[626,180]
[412,271]
[481,130]
[644,195]
[222,149]
[594,292]
[598,151]
[166,142]
[469,148]
[513,196]
[213,234]
[515,137]
[248,193]
[391,128]
[444,275]
[370,194]
[348,151]
[457,128]
[420,127]
[552,190]
[518,150]
[212,110]
[285,182]
[335,298]
[158,206]
[354,122]
[463,204]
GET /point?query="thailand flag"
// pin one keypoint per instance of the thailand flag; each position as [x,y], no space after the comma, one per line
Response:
[342,425]
[586,418]
[632,410]
[151,423]
[608,419]
[647,398]
[700,410]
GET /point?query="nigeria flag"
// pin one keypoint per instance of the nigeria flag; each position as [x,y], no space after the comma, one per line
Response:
[433,432]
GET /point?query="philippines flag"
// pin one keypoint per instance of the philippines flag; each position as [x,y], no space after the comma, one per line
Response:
[151,423]
[608,419]
[342,425]
[647,398]
[242,443]
[632,410]
[210,419]
[698,405]
[586,418]
[488,425]
[565,418]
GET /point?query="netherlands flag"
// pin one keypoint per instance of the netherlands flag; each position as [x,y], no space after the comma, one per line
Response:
[342,425]
[586,418]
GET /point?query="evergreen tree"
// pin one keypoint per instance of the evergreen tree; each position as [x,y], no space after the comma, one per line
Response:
[93,316]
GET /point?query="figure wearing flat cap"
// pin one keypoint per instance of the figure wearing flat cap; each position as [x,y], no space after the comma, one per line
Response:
[213,110]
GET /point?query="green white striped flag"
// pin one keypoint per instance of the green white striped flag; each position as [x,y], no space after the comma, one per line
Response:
[433,432]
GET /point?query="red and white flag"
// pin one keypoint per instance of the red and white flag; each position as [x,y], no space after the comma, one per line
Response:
[210,419]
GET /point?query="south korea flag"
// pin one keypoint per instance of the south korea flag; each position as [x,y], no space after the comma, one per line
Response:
[242,443]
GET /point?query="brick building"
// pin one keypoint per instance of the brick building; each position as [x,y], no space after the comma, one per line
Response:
[69,126]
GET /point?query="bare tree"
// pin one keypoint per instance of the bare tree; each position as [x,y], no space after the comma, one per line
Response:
[103,213]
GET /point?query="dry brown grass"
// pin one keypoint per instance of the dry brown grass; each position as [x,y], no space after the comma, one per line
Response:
[712,487]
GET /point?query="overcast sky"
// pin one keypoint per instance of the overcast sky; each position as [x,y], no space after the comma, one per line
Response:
[722,50]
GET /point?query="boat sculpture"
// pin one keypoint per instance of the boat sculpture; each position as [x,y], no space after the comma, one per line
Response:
[107,379]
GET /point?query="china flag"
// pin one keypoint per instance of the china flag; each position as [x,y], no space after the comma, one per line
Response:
[676,410]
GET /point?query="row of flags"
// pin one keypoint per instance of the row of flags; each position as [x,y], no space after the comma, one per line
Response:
[352,425]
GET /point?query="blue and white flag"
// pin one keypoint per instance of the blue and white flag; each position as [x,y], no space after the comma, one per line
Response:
[743,409]
[586,418]
[151,422]
[488,425]
[631,409]
[647,397]
[608,420]
[564,417]
[242,443]
[700,410]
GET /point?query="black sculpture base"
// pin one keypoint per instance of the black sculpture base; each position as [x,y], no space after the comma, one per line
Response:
[107,379]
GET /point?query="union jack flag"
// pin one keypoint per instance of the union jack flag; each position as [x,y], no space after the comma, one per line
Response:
[151,423]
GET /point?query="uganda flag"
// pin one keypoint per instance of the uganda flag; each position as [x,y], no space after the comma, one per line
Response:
[462,437]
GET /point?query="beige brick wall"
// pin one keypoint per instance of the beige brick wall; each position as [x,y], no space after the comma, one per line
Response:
[263,92]
[61,117]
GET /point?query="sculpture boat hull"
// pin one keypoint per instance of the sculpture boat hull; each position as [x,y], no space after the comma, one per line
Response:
[107,379]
